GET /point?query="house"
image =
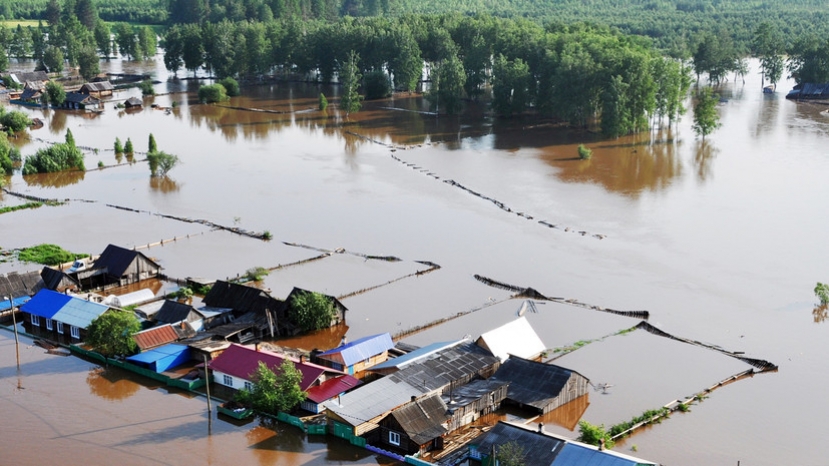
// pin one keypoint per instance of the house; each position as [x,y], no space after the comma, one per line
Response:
[541,448]
[22,77]
[58,280]
[393,365]
[118,266]
[97,89]
[361,410]
[358,355]
[339,308]
[415,428]
[449,369]
[155,337]
[77,101]
[327,390]
[14,284]
[133,102]
[469,402]
[237,364]
[256,309]
[33,92]
[809,91]
[515,338]
[173,312]
[53,315]
[162,358]
[539,386]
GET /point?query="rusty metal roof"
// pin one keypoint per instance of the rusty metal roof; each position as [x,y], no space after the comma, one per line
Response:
[156,336]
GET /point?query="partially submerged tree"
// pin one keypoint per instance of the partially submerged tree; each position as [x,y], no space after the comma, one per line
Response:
[274,392]
[55,158]
[161,162]
[56,93]
[212,93]
[111,333]
[594,434]
[15,121]
[312,310]
[350,79]
[822,292]
[706,118]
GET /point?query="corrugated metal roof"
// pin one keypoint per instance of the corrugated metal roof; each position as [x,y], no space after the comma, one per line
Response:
[414,356]
[540,448]
[362,349]
[4,304]
[422,419]
[46,303]
[240,361]
[155,336]
[159,353]
[579,455]
[332,387]
[471,392]
[516,337]
[438,370]
[18,284]
[79,312]
[372,400]
[533,383]
[173,311]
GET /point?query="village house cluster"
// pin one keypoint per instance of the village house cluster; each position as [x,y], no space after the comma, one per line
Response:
[414,404]
[29,89]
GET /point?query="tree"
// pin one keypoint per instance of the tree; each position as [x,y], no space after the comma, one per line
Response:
[146,87]
[350,79]
[15,121]
[511,80]
[70,138]
[87,13]
[8,155]
[822,292]
[706,118]
[323,104]
[448,79]
[119,149]
[111,333]
[312,310]
[53,59]
[128,147]
[273,392]
[126,41]
[173,49]
[768,46]
[510,454]
[593,434]
[231,86]
[103,39]
[161,163]
[88,62]
[53,13]
[212,93]
[151,145]
[147,43]
[55,158]
[376,85]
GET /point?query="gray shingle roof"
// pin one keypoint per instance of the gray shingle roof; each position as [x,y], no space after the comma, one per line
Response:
[532,383]
[422,419]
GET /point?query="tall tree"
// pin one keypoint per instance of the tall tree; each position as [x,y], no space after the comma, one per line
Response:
[111,333]
[768,46]
[87,13]
[127,43]
[193,47]
[103,38]
[88,63]
[706,118]
[511,81]
[350,78]
[448,79]
[147,42]
[53,13]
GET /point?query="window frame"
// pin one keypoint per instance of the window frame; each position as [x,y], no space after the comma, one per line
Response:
[248,386]
[75,332]
[35,320]
[49,324]
[394,438]
[60,327]
[227,379]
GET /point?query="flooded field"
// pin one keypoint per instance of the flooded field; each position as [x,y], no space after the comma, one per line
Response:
[721,242]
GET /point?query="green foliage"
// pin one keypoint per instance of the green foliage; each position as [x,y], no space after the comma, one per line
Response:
[511,86]
[69,138]
[56,93]
[88,62]
[100,164]
[48,254]
[706,118]
[15,120]
[584,152]
[256,273]
[111,333]
[323,104]
[57,157]
[183,293]
[312,310]
[809,59]
[448,79]
[267,235]
[212,93]
[376,85]
[652,415]
[594,434]
[53,59]
[8,155]
[510,454]
[119,149]
[274,392]
[146,87]
[128,148]
[152,146]
[350,79]
[768,46]
[822,292]
[161,163]
[13,208]
[231,86]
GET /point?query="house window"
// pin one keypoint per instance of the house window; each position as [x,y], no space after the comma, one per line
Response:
[394,438]
[60,328]
[248,386]
[227,380]
[48,324]
[35,320]
[75,331]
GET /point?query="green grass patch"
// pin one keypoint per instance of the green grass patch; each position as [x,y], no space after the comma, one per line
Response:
[48,254]
[13,23]
[28,205]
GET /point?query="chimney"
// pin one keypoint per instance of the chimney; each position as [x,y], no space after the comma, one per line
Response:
[601,445]
[256,346]
[339,400]
[540,427]
[302,359]
[414,398]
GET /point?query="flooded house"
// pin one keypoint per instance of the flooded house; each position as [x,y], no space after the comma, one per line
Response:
[60,317]
[97,89]
[174,312]
[327,390]
[162,335]
[255,312]
[133,102]
[357,356]
[467,403]
[538,386]
[117,266]
[78,101]
[416,427]
[393,365]
[339,308]
[33,92]
[22,77]
[516,338]
[58,280]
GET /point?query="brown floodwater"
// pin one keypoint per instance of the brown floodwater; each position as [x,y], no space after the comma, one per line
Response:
[721,241]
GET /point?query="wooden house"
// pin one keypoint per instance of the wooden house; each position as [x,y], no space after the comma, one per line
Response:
[22,77]
[78,101]
[253,309]
[17,288]
[58,280]
[415,428]
[133,102]
[33,92]
[118,266]
[356,356]
[173,312]
[97,89]
[327,390]
[339,308]
[516,338]
[538,386]
[469,402]
[60,317]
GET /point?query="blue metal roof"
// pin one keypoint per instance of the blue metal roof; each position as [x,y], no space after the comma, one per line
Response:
[4,304]
[46,303]
[362,349]
[413,356]
[578,455]
[79,313]
[157,354]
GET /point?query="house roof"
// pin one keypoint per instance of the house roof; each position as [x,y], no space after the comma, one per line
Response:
[577,454]
[54,279]
[414,356]
[422,419]
[332,387]
[540,448]
[513,338]
[533,383]
[19,284]
[129,299]
[471,392]
[117,259]
[174,311]
[159,353]
[156,336]
[240,297]
[371,400]
[30,93]
[63,308]
[78,98]
[443,368]
[21,77]
[241,361]
[97,86]
[133,102]
[362,349]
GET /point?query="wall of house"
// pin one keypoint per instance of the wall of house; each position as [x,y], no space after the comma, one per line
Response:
[480,407]
[381,438]
[43,331]
[575,387]
[356,369]
[236,383]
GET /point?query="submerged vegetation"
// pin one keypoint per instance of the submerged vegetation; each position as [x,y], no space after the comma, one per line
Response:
[822,292]
[48,254]
[55,158]
[312,310]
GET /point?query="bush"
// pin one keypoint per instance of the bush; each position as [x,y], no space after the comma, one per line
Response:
[48,254]
[119,149]
[231,86]
[8,153]
[152,146]
[56,93]
[584,152]
[212,93]
[58,157]
[146,87]
[323,102]
[376,85]
[822,292]
[15,120]
[128,147]
[312,310]
[256,273]
[593,435]
[161,163]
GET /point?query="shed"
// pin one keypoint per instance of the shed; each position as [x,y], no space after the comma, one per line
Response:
[329,389]
[58,280]
[97,89]
[515,338]
[130,299]
[416,427]
[156,336]
[133,102]
[357,355]
[264,313]
[469,402]
[162,358]
[539,386]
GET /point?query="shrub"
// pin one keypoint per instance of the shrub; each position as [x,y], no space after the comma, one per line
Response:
[100,164]
[256,273]
[58,157]
[593,434]
[312,310]
[146,87]
[15,120]
[376,85]
[161,162]
[119,149]
[212,93]
[48,254]
[323,102]
[231,86]
[152,146]
[584,152]
[128,147]
[822,292]
[56,93]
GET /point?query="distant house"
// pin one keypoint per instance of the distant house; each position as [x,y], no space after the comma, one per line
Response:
[237,364]
[133,102]
[16,288]
[118,266]
[97,89]
[416,427]
[33,92]
[162,358]
[327,390]
[55,315]
[515,338]
[78,101]
[541,387]
[22,77]
[58,280]
[809,91]
[339,308]
[358,355]
[542,448]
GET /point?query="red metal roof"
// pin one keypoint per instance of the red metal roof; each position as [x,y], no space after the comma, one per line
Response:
[331,388]
[155,336]
[241,361]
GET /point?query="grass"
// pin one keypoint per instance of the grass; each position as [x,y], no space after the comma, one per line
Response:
[28,205]
[48,254]
[13,23]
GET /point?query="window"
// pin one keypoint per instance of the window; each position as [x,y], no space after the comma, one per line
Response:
[60,328]
[394,438]
[228,380]
[48,324]
[75,331]
[248,386]
[35,320]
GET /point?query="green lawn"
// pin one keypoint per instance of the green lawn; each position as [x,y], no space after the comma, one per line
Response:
[22,22]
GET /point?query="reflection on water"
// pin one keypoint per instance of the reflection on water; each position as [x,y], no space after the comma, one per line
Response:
[163,184]
[704,154]
[569,415]
[110,384]
[820,313]
[55,180]
[321,339]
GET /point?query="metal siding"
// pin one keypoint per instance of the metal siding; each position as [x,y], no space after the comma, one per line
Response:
[362,349]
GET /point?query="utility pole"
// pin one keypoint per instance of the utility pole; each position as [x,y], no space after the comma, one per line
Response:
[14,326]
[207,385]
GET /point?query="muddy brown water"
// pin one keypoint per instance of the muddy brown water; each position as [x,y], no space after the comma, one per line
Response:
[722,242]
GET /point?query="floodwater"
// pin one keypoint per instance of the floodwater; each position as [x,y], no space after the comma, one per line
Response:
[722,242]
